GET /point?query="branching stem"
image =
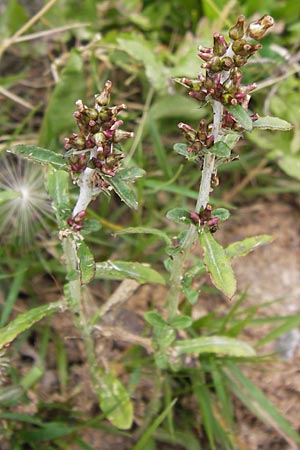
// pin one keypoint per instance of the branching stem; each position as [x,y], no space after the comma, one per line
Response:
[203,198]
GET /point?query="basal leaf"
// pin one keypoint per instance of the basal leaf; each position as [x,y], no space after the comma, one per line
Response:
[119,270]
[272,123]
[215,344]
[26,320]
[40,155]
[242,248]
[241,115]
[218,265]
[115,402]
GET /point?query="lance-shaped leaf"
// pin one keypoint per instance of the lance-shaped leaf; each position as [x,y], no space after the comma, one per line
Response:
[241,115]
[40,155]
[86,263]
[179,215]
[214,344]
[242,248]
[218,265]
[26,320]
[119,270]
[115,402]
[272,123]
[123,190]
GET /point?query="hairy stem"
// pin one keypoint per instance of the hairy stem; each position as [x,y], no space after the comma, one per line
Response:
[203,198]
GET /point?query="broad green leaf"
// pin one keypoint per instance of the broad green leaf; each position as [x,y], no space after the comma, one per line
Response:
[86,263]
[258,403]
[140,50]
[242,248]
[146,230]
[181,322]
[290,164]
[115,402]
[241,115]
[221,345]
[218,265]
[58,118]
[119,270]
[220,149]
[26,320]
[179,215]
[156,320]
[58,188]
[124,191]
[7,195]
[40,155]
[272,123]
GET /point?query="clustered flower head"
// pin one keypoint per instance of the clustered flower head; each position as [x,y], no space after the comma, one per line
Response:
[205,219]
[94,153]
[222,80]
[99,130]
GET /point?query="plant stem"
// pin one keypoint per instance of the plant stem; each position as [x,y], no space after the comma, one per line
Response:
[76,298]
[203,198]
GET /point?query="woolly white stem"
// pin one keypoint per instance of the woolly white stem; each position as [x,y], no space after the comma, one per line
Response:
[86,191]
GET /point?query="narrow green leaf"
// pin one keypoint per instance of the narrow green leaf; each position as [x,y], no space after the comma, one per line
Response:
[220,149]
[217,265]
[146,230]
[115,402]
[272,123]
[241,115]
[242,248]
[289,324]
[86,262]
[119,270]
[7,195]
[141,444]
[258,403]
[40,155]
[179,215]
[123,190]
[26,320]
[221,345]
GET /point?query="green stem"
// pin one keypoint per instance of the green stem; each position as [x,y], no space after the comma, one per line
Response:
[76,296]
[173,298]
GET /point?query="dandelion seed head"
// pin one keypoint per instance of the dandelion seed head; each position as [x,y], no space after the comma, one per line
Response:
[28,211]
